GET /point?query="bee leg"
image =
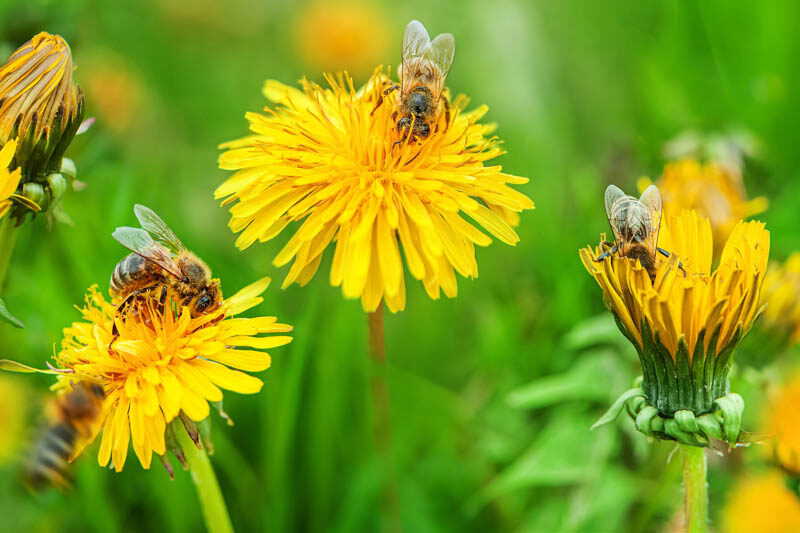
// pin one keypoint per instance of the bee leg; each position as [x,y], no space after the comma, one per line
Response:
[599,258]
[163,298]
[380,98]
[667,254]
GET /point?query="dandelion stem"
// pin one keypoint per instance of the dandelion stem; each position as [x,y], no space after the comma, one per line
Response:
[382,424]
[695,488]
[205,482]
[8,236]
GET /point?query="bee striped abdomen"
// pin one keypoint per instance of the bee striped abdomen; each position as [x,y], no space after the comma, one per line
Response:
[130,270]
[51,457]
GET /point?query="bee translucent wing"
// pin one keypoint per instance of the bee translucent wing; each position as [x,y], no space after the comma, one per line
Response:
[157,228]
[613,193]
[651,199]
[442,52]
[415,41]
[140,242]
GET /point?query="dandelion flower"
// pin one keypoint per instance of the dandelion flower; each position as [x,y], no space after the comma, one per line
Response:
[783,421]
[687,323]
[761,503]
[8,180]
[711,189]
[163,364]
[782,298]
[328,161]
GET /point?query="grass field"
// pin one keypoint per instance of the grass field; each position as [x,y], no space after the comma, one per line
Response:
[492,393]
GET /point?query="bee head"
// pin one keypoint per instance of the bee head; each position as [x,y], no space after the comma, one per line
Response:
[208,300]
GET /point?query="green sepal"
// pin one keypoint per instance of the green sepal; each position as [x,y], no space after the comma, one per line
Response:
[645,418]
[204,428]
[8,317]
[616,407]
[732,406]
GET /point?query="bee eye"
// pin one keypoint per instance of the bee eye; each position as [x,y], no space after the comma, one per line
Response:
[202,303]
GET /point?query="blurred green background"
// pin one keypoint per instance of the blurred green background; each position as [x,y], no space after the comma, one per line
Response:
[492,394]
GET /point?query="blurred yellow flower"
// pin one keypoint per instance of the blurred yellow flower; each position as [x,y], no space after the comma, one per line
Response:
[324,159]
[686,324]
[782,297]
[761,504]
[335,36]
[712,190]
[115,91]
[12,417]
[163,364]
[8,180]
[40,105]
[782,416]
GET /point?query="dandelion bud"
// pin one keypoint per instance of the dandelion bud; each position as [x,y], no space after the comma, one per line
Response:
[40,106]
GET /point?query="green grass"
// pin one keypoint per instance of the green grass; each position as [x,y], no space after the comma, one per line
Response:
[584,94]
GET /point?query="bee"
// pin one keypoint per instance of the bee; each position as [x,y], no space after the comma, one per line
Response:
[425,67]
[73,416]
[635,224]
[161,261]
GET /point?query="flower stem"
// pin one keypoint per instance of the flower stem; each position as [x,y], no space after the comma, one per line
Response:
[205,482]
[382,424]
[695,488]
[8,236]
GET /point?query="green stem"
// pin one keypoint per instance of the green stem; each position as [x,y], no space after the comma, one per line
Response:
[205,483]
[695,488]
[382,425]
[8,236]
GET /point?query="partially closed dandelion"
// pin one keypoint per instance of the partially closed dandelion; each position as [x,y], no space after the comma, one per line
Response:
[42,108]
[685,322]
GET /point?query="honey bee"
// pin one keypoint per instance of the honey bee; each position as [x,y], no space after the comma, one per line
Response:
[72,416]
[426,65]
[635,224]
[161,261]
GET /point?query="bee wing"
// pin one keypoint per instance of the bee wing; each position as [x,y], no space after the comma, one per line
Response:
[442,51]
[416,42]
[141,243]
[613,193]
[651,199]
[157,228]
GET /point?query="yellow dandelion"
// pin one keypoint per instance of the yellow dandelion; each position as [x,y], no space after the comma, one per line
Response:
[8,180]
[40,105]
[328,160]
[711,189]
[687,323]
[761,503]
[782,298]
[115,90]
[163,364]
[782,417]
[335,36]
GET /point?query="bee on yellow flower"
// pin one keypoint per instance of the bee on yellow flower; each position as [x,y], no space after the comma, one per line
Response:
[685,321]
[327,162]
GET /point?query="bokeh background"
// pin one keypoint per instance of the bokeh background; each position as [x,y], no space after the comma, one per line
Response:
[492,394]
